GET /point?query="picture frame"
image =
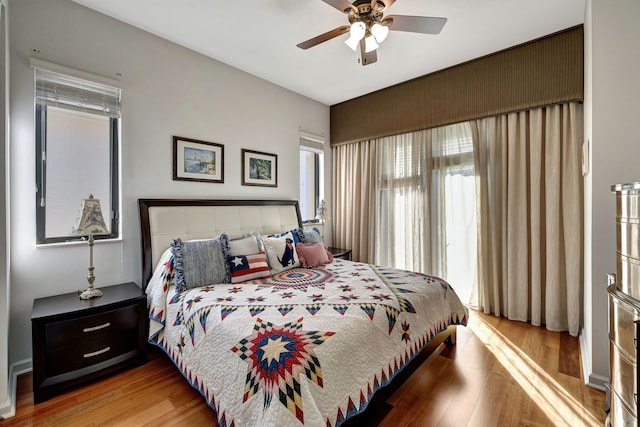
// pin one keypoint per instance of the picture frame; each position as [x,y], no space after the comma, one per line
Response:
[259,169]
[196,160]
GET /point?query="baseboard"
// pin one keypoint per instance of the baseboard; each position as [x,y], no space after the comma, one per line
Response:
[592,380]
[598,382]
[8,409]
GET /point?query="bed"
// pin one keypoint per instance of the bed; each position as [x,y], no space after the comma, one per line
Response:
[295,346]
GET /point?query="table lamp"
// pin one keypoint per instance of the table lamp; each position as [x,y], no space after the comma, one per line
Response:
[88,223]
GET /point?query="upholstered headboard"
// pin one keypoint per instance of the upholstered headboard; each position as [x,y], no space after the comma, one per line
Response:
[162,220]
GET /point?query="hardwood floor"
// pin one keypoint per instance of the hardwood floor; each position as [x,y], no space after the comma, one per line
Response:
[500,373]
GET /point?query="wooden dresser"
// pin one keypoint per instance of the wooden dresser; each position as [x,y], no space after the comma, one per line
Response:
[624,308]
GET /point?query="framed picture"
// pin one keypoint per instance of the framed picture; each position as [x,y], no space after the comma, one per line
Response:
[259,168]
[195,160]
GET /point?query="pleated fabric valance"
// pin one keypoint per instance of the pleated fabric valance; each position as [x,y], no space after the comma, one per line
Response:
[546,71]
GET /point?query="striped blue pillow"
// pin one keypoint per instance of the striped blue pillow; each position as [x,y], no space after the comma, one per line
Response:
[200,262]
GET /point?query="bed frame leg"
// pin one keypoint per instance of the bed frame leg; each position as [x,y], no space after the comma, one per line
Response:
[450,341]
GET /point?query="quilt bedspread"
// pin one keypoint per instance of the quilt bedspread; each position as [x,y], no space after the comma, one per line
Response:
[303,347]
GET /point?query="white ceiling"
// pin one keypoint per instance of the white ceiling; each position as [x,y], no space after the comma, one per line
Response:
[260,37]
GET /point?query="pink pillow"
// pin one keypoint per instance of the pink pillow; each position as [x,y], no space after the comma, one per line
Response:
[313,254]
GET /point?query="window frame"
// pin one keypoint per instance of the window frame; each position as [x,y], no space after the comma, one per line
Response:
[41,173]
[314,144]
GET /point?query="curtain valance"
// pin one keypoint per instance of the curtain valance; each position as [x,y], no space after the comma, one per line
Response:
[539,73]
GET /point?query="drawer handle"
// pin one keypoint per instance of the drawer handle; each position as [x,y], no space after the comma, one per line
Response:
[96,353]
[96,328]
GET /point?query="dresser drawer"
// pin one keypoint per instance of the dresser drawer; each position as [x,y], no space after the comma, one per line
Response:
[623,377]
[622,327]
[628,275]
[620,415]
[628,205]
[97,326]
[628,236]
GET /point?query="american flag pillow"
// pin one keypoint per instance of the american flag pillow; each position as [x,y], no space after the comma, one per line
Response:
[248,267]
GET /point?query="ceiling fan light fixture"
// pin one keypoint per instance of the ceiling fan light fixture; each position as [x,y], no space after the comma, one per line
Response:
[352,42]
[369,27]
[370,43]
[356,33]
[379,31]
[358,29]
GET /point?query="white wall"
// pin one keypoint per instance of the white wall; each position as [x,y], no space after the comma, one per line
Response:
[5,401]
[167,90]
[612,108]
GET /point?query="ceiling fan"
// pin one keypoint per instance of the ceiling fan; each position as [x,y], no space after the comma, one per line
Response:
[369,27]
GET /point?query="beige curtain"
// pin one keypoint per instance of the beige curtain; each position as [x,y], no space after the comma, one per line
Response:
[408,201]
[353,188]
[414,186]
[529,196]
[402,228]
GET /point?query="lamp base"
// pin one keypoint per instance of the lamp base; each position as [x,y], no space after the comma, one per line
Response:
[90,293]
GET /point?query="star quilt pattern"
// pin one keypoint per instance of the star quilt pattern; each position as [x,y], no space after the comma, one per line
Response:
[302,347]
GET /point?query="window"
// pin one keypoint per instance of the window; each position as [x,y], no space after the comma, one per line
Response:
[425,207]
[460,217]
[77,129]
[311,175]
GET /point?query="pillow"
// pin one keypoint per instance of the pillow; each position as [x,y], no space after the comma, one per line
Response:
[200,262]
[248,267]
[312,236]
[297,233]
[249,243]
[313,254]
[281,252]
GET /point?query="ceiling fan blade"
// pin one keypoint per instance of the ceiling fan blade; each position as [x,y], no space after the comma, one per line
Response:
[324,37]
[366,58]
[416,24]
[341,5]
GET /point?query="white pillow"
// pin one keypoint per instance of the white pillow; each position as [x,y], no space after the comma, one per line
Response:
[248,244]
[281,252]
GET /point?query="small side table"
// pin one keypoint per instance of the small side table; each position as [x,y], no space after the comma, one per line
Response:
[340,253]
[77,340]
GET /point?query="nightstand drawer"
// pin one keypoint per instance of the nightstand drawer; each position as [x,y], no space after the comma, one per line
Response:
[77,331]
[90,352]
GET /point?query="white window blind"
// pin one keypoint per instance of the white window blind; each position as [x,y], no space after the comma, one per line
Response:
[60,90]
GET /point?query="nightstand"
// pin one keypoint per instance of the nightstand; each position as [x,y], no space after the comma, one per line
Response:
[340,253]
[77,340]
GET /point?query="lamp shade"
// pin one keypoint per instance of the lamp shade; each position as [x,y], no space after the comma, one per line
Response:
[370,44]
[90,220]
[356,33]
[380,32]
